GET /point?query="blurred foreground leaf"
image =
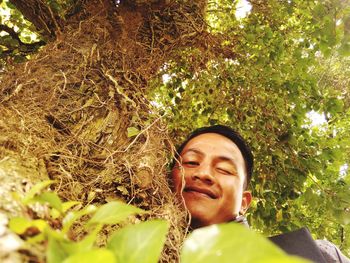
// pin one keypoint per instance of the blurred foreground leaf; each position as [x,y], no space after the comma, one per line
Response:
[139,243]
[20,224]
[51,198]
[73,216]
[114,213]
[93,256]
[231,243]
[35,190]
[56,252]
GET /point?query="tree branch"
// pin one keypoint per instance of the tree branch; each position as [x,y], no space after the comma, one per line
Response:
[21,47]
[46,21]
[10,31]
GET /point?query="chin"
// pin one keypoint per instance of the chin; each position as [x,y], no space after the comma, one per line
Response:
[199,218]
[198,221]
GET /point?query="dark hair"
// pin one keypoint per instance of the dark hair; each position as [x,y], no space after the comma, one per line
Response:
[233,136]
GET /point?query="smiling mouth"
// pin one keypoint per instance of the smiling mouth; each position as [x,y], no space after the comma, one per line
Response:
[205,192]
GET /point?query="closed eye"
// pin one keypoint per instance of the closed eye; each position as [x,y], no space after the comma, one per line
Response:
[191,163]
[224,171]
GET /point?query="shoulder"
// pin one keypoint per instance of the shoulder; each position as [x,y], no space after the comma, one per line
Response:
[331,252]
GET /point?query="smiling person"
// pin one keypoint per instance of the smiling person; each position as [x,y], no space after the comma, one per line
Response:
[211,176]
[214,169]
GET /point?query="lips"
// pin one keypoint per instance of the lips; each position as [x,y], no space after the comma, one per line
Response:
[208,192]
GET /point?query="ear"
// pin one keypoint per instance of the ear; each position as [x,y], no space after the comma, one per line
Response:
[246,200]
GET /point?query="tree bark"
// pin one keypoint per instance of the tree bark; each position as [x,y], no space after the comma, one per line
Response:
[72,105]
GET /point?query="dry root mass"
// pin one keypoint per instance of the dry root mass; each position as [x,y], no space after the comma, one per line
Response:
[66,113]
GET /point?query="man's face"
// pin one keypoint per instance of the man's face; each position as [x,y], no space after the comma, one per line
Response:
[211,179]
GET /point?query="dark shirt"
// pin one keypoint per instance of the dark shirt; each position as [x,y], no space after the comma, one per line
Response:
[301,243]
[331,252]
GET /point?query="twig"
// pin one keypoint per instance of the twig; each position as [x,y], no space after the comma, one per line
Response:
[135,139]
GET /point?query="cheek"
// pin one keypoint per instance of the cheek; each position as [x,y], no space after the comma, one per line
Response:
[233,189]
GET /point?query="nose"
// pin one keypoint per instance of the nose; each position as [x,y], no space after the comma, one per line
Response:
[204,173]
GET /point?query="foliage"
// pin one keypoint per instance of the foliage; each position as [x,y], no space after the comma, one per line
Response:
[289,65]
[147,242]
[218,244]
[61,248]
[142,242]
[288,61]
[18,37]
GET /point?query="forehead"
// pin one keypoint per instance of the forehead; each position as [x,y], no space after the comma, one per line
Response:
[213,143]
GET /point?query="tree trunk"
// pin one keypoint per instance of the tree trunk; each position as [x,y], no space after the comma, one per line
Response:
[66,113]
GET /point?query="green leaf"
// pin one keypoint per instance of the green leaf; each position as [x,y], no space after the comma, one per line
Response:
[55,252]
[343,216]
[139,243]
[9,41]
[113,213]
[58,235]
[51,198]
[101,255]
[344,48]
[87,243]
[334,105]
[228,243]
[54,213]
[133,131]
[20,224]
[10,5]
[39,238]
[68,205]
[35,190]
[73,216]
[60,248]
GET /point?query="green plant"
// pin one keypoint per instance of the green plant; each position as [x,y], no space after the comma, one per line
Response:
[141,242]
[61,248]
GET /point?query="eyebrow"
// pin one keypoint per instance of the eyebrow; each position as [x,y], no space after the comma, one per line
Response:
[221,158]
[194,150]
